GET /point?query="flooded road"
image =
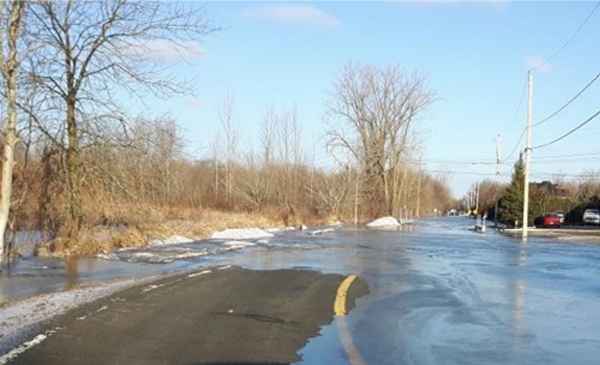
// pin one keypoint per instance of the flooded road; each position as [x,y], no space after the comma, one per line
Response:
[439,293]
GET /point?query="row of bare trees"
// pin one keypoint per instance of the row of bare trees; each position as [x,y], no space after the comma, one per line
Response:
[64,63]
[74,156]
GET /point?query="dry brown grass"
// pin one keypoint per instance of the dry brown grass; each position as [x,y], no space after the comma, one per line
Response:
[196,224]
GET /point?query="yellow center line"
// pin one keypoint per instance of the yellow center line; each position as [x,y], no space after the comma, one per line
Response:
[339,307]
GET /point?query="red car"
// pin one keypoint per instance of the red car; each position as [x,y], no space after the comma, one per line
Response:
[551,220]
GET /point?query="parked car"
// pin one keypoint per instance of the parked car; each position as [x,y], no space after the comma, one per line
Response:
[551,220]
[561,215]
[591,216]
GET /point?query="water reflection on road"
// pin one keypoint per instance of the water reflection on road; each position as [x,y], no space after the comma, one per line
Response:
[446,295]
[440,294]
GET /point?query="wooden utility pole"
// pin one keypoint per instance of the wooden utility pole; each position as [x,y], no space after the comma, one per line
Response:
[477,199]
[527,153]
[497,140]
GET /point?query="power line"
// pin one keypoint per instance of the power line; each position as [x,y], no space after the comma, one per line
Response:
[568,40]
[568,102]
[570,155]
[578,160]
[516,146]
[518,107]
[465,172]
[569,132]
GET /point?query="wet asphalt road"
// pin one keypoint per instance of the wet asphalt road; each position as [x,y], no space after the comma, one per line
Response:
[443,294]
[229,316]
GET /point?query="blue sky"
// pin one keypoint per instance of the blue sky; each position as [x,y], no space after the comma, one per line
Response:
[476,55]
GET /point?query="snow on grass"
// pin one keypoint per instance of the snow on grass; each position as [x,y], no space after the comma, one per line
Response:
[241,234]
[384,222]
[321,231]
[173,240]
[272,230]
[290,228]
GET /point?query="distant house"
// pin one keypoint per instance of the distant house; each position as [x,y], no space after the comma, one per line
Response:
[550,188]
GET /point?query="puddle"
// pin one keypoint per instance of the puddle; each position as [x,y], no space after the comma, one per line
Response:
[37,275]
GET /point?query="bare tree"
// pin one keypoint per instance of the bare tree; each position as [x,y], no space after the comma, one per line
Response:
[376,108]
[333,194]
[230,130]
[91,48]
[254,189]
[11,20]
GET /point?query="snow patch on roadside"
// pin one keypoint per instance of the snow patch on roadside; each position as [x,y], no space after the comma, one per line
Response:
[241,234]
[204,272]
[321,231]
[104,307]
[21,318]
[12,354]
[384,222]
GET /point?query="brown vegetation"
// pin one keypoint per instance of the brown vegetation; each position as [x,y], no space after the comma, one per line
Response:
[92,177]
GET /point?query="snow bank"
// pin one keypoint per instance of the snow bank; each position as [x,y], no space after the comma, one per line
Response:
[241,234]
[290,228]
[272,230]
[384,222]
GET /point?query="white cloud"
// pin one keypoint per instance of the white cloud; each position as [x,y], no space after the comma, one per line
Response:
[193,102]
[165,51]
[538,63]
[294,13]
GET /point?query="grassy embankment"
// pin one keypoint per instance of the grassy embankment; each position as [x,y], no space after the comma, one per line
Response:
[194,224]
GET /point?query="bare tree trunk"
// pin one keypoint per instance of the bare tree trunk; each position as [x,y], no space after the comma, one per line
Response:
[10,142]
[73,183]
[9,66]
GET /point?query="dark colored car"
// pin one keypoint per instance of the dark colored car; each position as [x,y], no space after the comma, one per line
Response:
[551,220]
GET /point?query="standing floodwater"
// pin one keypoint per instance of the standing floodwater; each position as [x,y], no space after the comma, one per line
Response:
[439,292]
